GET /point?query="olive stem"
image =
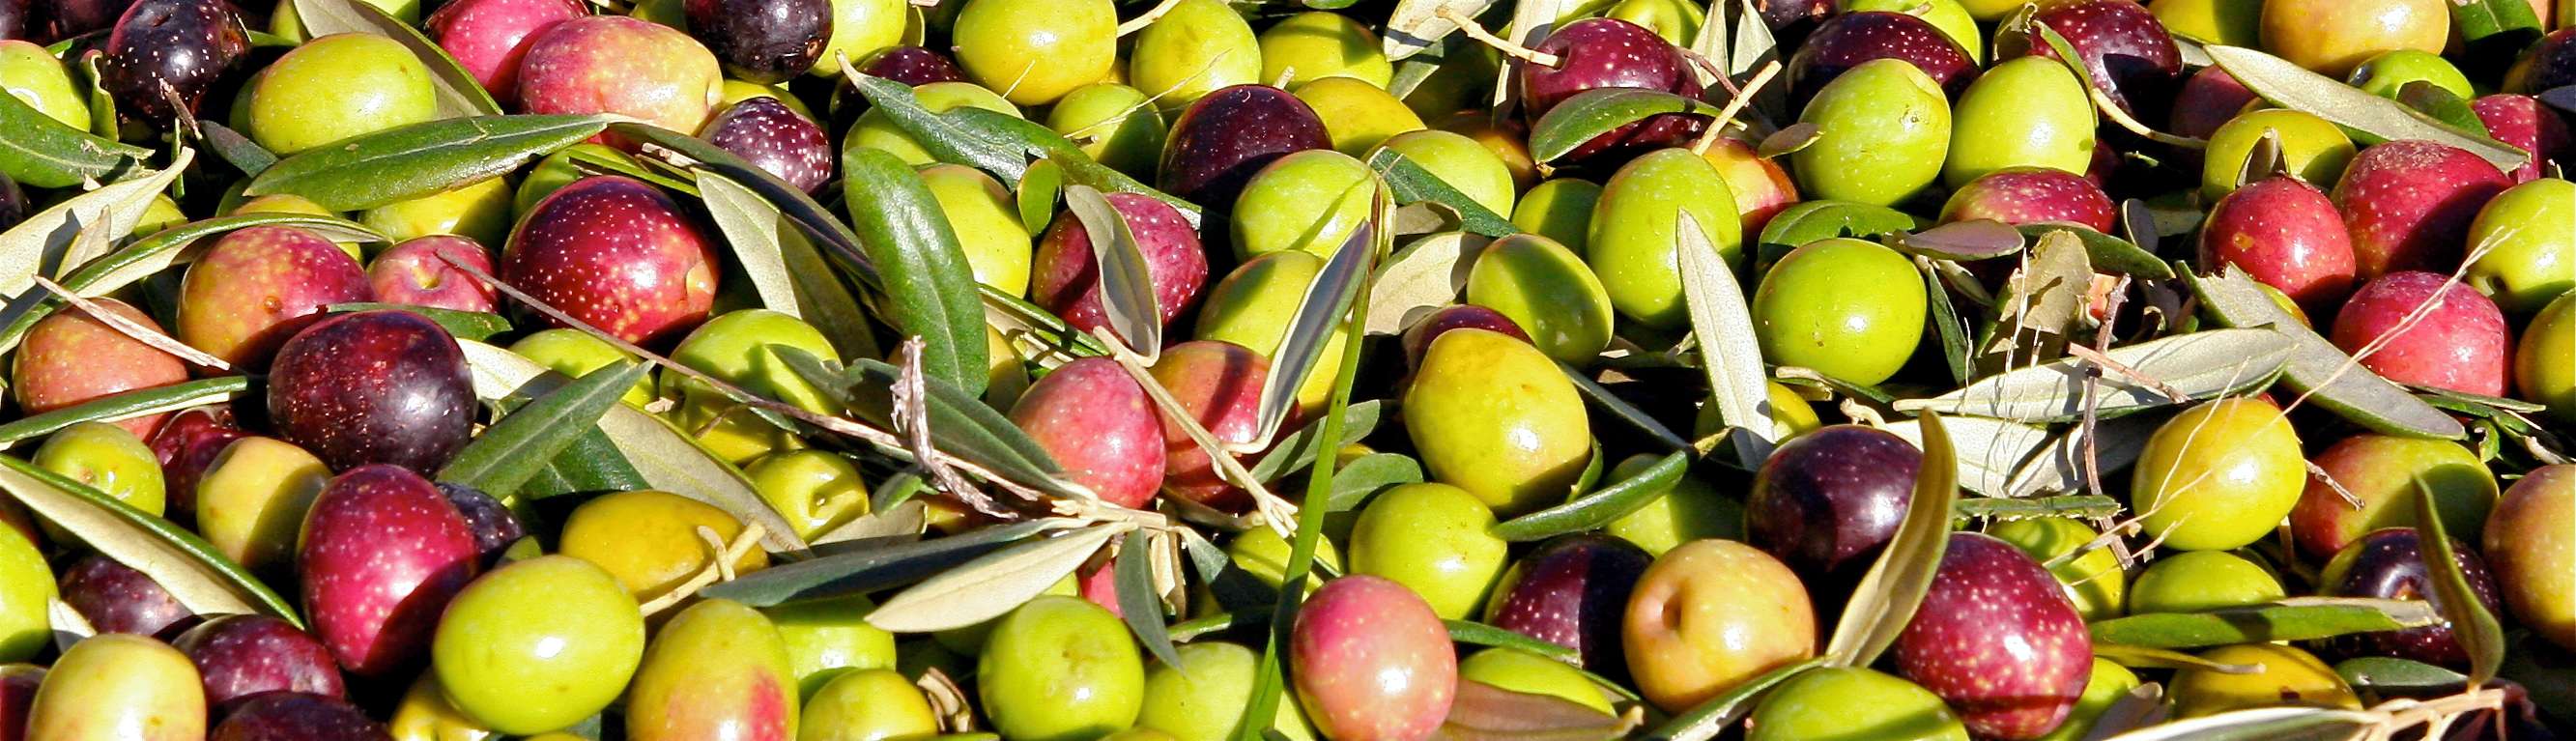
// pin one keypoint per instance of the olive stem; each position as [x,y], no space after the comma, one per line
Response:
[2111,110]
[1139,23]
[1726,116]
[131,329]
[720,570]
[1477,31]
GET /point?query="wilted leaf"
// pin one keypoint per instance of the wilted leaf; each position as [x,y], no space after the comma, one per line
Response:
[2069,506]
[1730,355]
[1885,600]
[41,244]
[1416,25]
[2200,366]
[2041,306]
[1977,239]
[2106,253]
[991,585]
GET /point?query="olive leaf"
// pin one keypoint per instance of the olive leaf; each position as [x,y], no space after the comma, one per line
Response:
[149,255]
[788,274]
[1126,288]
[1035,195]
[1318,319]
[235,149]
[124,406]
[40,152]
[1425,275]
[1410,183]
[102,105]
[2442,105]
[512,450]
[2142,657]
[2398,676]
[1751,47]
[863,567]
[1987,451]
[43,242]
[1296,450]
[1365,476]
[1532,21]
[2060,466]
[2377,119]
[2200,365]
[1602,399]
[1976,239]
[2259,724]
[1958,340]
[1789,140]
[591,464]
[1482,711]
[961,426]
[2293,619]
[1415,25]
[1471,633]
[458,94]
[1730,355]
[2316,368]
[1714,715]
[2477,20]
[470,325]
[930,290]
[421,159]
[1079,168]
[999,143]
[2476,629]
[1592,113]
[2068,506]
[1813,220]
[1600,507]
[2107,253]
[666,456]
[2042,305]
[200,578]
[1884,601]
[992,584]
[1139,603]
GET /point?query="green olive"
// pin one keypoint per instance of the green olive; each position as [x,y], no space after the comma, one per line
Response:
[1357,115]
[1883,132]
[2027,112]
[2093,580]
[2200,581]
[26,597]
[1559,209]
[827,638]
[1632,243]
[2287,677]
[35,76]
[575,353]
[987,222]
[1805,313]
[1435,539]
[538,645]
[875,129]
[105,457]
[1253,307]
[1196,47]
[336,87]
[1310,201]
[1314,45]
[1115,124]
[860,28]
[1036,50]
[2219,475]
[1546,290]
[1060,669]
[868,705]
[1528,673]
[479,211]
[1461,162]
[1494,416]
[2311,148]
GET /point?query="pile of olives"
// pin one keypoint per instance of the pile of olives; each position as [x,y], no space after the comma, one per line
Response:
[1201,370]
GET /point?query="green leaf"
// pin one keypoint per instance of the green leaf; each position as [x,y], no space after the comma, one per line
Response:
[930,290]
[2201,365]
[457,92]
[1139,604]
[2295,619]
[465,325]
[420,159]
[2316,368]
[2141,657]
[590,464]
[2442,105]
[1977,239]
[1814,220]
[1318,320]
[2071,506]
[1600,507]
[864,570]
[1079,168]
[1035,195]
[1592,113]
[2376,118]
[40,152]
[2398,676]
[2260,724]
[183,564]
[1712,716]
[1425,275]
[1411,183]
[2475,20]
[1958,340]
[102,106]
[946,138]
[790,276]
[1602,399]
[127,405]
[1024,321]
[1730,355]
[960,425]
[43,243]
[1297,449]
[1367,475]
[1471,633]
[149,255]
[1888,594]
[516,447]
[990,585]
[1127,297]
[2107,253]
[2455,602]
[237,150]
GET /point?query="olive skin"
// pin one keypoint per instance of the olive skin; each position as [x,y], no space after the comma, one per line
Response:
[294,716]
[2531,555]
[765,133]
[815,490]
[1097,423]
[1561,209]
[2330,37]
[1762,188]
[1203,697]
[490,38]
[1065,278]
[1218,383]
[2311,148]
[865,31]
[416,272]
[42,82]
[1711,615]
[1308,201]
[1037,49]
[2544,366]
[2386,473]
[495,528]
[2207,100]
[2548,65]
[1516,670]
[2027,112]
[1572,591]
[2462,343]
[384,386]
[1461,161]
[2289,677]
[1849,39]
[574,353]
[2032,195]
[18,685]
[1357,115]
[2219,475]
[2529,125]
[336,87]
[987,223]
[1060,668]
[424,714]
[1112,124]
[2408,202]
[616,254]
[715,670]
[538,645]
[2383,74]
[648,539]
[1313,45]
[2124,49]
[27,592]
[621,65]
[1631,246]
[763,41]
[1597,53]
[1998,639]
[2528,233]
[2093,581]
[1546,290]
[1254,306]
[2108,684]
[1884,132]
[382,553]
[1371,662]
[190,45]
[1218,143]
[1826,502]
[2285,234]
[745,348]
[1853,704]
[910,65]
[115,598]
[2389,564]
[258,286]
[70,357]
[1196,47]
[2200,581]
[1417,338]
[1803,315]
[1493,415]
[1434,539]
[867,705]
[2230,22]
[115,686]
[108,459]
[244,656]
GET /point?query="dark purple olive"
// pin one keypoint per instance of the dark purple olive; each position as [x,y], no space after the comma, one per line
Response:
[1228,135]
[295,716]
[1827,501]
[15,22]
[912,65]
[13,201]
[1792,20]
[244,655]
[1597,53]
[1998,639]
[495,528]
[767,134]
[186,45]
[61,19]
[386,386]
[2125,49]
[1847,40]
[118,599]
[2549,64]
[2389,564]
[1572,592]
[763,41]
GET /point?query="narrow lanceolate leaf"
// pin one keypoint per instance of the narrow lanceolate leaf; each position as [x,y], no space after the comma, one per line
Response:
[1729,353]
[469,325]
[40,152]
[1958,339]
[1977,239]
[1139,604]
[2141,657]
[750,226]
[1354,482]
[1416,25]
[666,456]
[863,567]
[2296,88]
[1035,195]
[2068,506]
[1988,451]
[1483,712]
[420,159]
[2476,20]
[1603,400]
[1601,506]
[2107,253]
[128,405]
[2295,619]
[2259,724]
[946,138]
[2059,468]
[1410,183]
[2316,369]
[1712,716]
[1296,450]
[152,254]
[1813,220]
[1036,139]
[1425,275]
[1319,316]
[457,92]
[39,245]
[1888,594]
[514,449]
[2198,366]
[1471,633]
[182,563]
[929,289]
[2476,629]
[1126,289]
[1592,113]
[989,586]
[2398,676]
[235,149]
[2442,105]
[961,425]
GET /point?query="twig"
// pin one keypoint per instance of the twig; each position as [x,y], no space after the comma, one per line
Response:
[720,571]
[2349,499]
[1477,31]
[1280,515]
[947,701]
[912,420]
[1734,106]
[133,329]
[1139,23]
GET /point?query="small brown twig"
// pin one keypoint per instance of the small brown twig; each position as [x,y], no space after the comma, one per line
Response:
[1477,31]
[1734,106]
[2349,499]
[911,419]
[1139,23]
[714,573]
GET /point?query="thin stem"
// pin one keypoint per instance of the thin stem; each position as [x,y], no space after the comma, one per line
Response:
[1734,106]
[1477,31]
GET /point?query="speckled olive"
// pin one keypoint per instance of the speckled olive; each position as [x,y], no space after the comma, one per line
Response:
[616,254]
[115,598]
[2219,475]
[1065,279]
[336,87]
[243,656]
[1371,662]
[383,386]
[418,272]
[1884,132]
[1218,383]
[70,357]
[775,139]
[1036,49]
[1314,45]
[762,41]
[1631,244]
[190,45]
[2409,202]
[715,670]
[2391,564]
[2285,234]
[1804,316]
[1493,415]
[2311,149]
[2093,580]
[382,552]
[1997,638]
[620,65]
[2332,36]
[257,286]
[114,686]
[2428,331]
[2130,56]
[1847,40]
[2528,234]
[2531,553]
[1098,423]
